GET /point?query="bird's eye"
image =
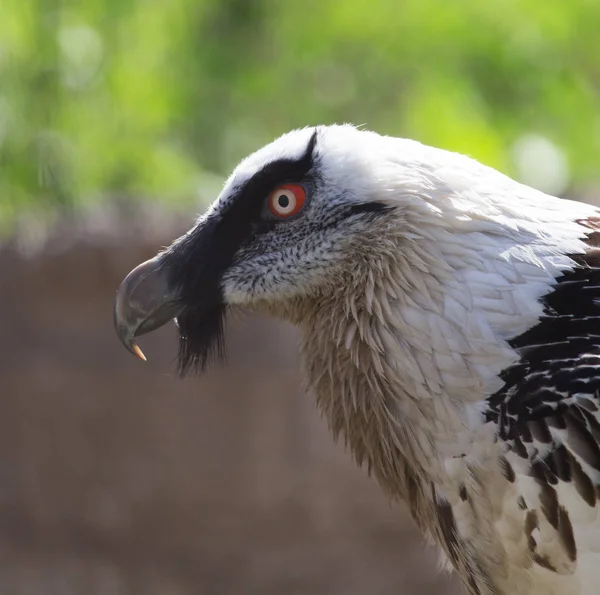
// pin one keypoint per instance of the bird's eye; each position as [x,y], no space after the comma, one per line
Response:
[287,200]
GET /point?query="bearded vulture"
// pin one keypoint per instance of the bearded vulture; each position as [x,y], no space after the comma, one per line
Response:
[450,331]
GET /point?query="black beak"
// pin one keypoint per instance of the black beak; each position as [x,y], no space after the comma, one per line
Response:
[145,301]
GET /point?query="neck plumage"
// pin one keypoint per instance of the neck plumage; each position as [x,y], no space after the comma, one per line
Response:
[403,353]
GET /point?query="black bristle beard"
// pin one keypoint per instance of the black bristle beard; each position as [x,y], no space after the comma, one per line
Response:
[198,260]
[201,338]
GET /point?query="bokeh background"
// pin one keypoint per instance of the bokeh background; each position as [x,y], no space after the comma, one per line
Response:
[118,121]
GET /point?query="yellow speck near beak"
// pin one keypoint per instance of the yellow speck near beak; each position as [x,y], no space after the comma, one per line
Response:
[138,352]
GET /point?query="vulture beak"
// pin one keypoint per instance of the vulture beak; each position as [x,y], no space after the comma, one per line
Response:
[145,301]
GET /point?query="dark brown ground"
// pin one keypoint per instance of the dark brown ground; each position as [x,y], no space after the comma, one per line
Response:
[118,478]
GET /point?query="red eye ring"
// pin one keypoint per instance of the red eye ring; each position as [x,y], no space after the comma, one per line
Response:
[287,200]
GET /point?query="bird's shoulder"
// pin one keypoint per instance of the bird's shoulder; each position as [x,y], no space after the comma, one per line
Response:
[551,397]
[547,414]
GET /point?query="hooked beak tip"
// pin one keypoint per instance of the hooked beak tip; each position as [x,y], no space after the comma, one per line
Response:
[144,302]
[137,351]
[127,338]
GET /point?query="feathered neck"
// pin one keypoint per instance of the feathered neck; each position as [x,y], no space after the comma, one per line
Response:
[370,360]
[403,349]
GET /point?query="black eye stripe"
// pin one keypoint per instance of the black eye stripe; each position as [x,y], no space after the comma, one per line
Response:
[198,260]
[251,195]
[369,207]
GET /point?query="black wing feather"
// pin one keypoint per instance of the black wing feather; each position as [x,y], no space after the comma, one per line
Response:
[548,411]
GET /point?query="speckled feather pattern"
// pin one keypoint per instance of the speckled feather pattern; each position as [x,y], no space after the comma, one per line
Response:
[417,343]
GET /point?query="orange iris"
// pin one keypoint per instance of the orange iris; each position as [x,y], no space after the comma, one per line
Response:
[287,200]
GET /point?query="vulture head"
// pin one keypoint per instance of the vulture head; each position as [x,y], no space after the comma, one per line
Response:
[406,268]
[299,224]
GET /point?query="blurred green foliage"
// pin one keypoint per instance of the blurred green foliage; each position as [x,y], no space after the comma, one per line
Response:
[141,98]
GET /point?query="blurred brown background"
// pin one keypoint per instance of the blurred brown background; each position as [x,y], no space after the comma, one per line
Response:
[118,478]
